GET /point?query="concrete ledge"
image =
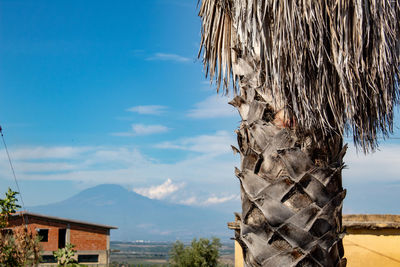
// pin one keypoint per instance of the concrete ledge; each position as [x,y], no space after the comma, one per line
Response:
[234,225]
[356,222]
[371,221]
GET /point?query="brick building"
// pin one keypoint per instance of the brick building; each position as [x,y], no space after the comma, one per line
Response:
[92,241]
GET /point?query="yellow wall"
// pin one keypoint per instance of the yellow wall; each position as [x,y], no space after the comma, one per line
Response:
[381,249]
[367,250]
[238,255]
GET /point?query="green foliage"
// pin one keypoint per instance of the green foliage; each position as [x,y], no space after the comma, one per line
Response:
[116,264]
[8,205]
[202,253]
[18,246]
[65,256]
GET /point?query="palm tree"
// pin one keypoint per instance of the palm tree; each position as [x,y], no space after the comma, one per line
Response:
[304,74]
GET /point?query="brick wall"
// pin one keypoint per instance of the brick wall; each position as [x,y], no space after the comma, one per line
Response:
[83,237]
[53,227]
[34,223]
[88,238]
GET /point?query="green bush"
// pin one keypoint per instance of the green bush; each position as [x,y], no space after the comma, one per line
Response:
[19,246]
[201,253]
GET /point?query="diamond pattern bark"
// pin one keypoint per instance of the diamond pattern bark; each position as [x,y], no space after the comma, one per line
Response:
[291,189]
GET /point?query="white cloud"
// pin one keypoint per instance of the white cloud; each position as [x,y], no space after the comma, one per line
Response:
[208,200]
[210,169]
[159,191]
[219,143]
[143,129]
[56,152]
[213,166]
[383,165]
[123,165]
[203,173]
[213,107]
[148,110]
[189,201]
[41,167]
[168,57]
[218,200]
[123,155]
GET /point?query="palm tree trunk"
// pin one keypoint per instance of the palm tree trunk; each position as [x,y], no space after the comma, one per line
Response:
[335,66]
[291,188]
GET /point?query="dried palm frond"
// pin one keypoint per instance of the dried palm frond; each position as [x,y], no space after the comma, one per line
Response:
[335,64]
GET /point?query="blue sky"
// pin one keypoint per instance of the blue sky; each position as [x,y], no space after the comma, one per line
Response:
[99,92]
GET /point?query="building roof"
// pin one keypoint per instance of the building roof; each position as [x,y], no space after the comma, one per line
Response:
[355,221]
[58,219]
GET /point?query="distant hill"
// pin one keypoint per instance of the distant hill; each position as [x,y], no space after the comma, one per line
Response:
[138,217]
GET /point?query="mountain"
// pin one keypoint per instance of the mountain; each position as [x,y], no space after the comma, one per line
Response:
[139,217]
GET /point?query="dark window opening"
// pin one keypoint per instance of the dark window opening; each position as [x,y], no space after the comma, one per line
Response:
[88,258]
[43,234]
[48,259]
[61,238]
